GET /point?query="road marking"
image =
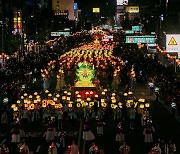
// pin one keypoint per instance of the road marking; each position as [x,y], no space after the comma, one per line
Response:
[38,148]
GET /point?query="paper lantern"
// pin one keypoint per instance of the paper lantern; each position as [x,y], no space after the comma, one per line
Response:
[46,91]
[103,93]
[22,97]
[130,93]
[96,96]
[55,99]
[63,97]
[35,101]
[35,93]
[30,96]
[114,101]
[18,101]
[147,105]
[49,95]
[88,99]
[142,106]
[57,95]
[125,94]
[25,94]
[68,98]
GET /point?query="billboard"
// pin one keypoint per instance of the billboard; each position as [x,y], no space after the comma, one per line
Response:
[75,6]
[122,2]
[137,28]
[132,9]
[173,43]
[140,39]
[96,10]
[65,33]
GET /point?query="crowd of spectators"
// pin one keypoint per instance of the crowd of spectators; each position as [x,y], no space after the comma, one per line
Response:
[149,69]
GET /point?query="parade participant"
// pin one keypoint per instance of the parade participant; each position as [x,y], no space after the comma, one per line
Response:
[120,133]
[87,133]
[93,149]
[163,146]
[60,119]
[62,144]
[52,148]
[171,148]
[132,116]
[4,149]
[16,132]
[24,148]
[156,149]
[51,131]
[124,149]
[148,130]
[73,148]
[100,125]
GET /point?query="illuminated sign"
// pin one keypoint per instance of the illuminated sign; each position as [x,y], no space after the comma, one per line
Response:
[140,39]
[65,33]
[122,2]
[137,28]
[172,42]
[132,9]
[96,10]
[129,32]
[75,6]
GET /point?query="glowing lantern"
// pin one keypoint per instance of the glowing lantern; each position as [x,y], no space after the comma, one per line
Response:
[57,95]
[25,94]
[142,106]
[30,96]
[18,101]
[49,95]
[68,98]
[63,97]
[22,97]
[125,94]
[147,105]
[103,93]
[46,91]
[35,93]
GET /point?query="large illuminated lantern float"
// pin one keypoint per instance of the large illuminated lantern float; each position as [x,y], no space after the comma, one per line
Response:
[84,84]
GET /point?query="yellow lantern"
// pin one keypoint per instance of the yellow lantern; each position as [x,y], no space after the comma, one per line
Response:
[69,93]
[88,99]
[103,93]
[35,101]
[35,93]
[13,105]
[22,97]
[63,97]
[49,95]
[113,94]
[30,96]
[55,99]
[65,92]
[26,105]
[105,90]
[57,95]
[96,96]
[125,94]
[46,91]
[25,94]
[147,105]
[77,92]
[25,101]
[142,106]
[87,93]
[78,100]
[37,96]
[130,93]
[112,98]
[18,101]
[68,98]
[114,101]
[78,96]
[15,109]
[102,100]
